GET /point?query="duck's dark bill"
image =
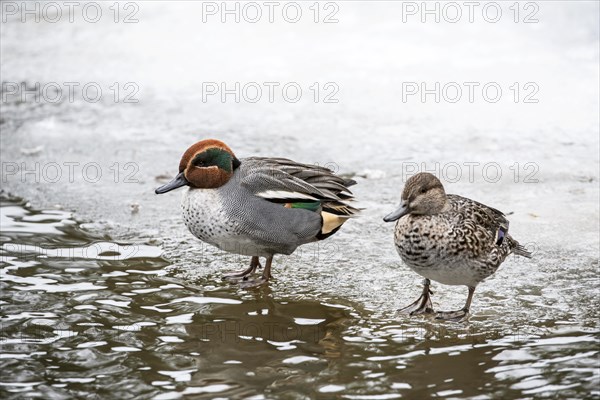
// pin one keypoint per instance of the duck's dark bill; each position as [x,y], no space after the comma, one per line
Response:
[177,182]
[394,215]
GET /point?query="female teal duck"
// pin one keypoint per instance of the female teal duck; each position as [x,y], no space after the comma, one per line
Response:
[258,206]
[450,239]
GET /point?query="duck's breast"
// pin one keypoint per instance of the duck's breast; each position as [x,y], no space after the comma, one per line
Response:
[205,216]
[434,247]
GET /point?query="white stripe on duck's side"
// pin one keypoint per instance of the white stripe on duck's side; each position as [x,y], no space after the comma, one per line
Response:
[284,195]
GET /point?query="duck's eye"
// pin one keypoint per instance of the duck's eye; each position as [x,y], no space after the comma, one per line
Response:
[423,190]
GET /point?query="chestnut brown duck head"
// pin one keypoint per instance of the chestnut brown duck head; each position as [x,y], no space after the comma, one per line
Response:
[207,164]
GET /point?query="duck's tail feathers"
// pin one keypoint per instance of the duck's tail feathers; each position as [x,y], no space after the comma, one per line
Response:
[331,224]
[349,182]
[332,221]
[341,209]
[520,250]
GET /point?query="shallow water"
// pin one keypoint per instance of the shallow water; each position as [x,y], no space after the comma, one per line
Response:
[86,317]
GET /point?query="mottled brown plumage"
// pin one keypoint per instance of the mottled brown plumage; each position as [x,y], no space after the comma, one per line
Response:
[449,238]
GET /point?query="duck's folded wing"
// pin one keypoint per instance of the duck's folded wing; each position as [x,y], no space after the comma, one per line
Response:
[478,216]
[284,181]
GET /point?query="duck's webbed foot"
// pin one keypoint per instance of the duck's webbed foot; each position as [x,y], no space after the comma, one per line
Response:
[254,264]
[423,305]
[459,315]
[455,316]
[261,280]
[254,282]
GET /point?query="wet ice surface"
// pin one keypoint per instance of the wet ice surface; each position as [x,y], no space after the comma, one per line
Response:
[327,325]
